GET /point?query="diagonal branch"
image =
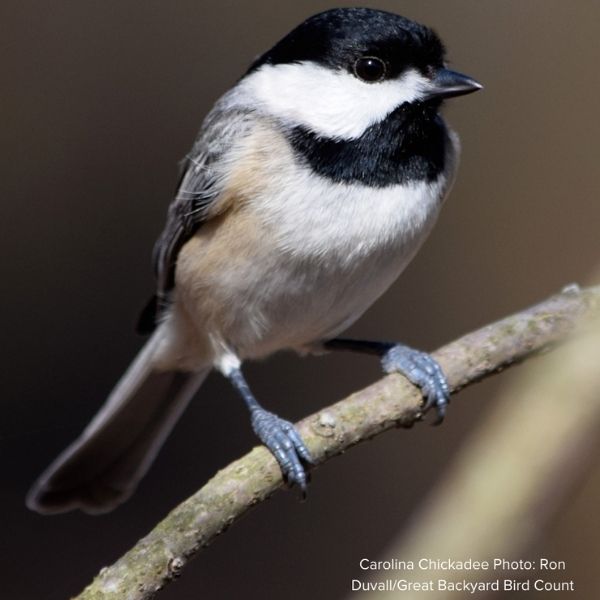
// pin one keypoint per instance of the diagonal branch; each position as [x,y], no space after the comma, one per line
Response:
[390,402]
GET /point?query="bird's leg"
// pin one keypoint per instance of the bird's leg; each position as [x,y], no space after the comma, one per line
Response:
[278,435]
[418,367]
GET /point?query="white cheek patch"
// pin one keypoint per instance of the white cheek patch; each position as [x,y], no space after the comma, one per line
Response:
[333,104]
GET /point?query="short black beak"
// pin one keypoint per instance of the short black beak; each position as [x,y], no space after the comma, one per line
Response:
[447,84]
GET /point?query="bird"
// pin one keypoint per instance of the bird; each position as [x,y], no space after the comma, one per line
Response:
[311,185]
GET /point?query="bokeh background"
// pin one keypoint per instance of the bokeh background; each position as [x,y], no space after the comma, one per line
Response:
[99,101]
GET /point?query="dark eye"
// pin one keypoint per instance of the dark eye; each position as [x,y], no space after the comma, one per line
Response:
[369,68]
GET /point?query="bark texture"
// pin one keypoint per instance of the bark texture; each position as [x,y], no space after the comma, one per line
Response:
[390,402]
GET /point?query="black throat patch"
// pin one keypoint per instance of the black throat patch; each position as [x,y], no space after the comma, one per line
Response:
[409,145]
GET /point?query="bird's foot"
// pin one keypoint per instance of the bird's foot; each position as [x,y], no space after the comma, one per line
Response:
[422,370]
[286,445]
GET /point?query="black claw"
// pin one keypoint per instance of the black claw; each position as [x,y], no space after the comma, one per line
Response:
[423,371]
[441,412]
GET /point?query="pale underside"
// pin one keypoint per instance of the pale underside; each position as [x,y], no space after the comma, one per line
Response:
[289,258]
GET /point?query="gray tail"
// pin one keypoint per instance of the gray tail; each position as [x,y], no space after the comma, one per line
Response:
[102,468]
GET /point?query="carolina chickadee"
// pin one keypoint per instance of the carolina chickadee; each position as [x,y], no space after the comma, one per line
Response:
[310,187]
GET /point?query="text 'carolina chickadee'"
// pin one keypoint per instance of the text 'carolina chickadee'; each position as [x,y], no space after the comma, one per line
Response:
[310,187]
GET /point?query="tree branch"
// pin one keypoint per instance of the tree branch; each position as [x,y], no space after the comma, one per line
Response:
[390,402]
[511,481]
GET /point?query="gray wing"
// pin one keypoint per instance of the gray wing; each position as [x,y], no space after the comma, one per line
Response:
[203,173]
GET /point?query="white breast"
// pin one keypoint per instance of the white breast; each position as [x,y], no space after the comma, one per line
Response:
[340,247]
[322,253]
[314,217]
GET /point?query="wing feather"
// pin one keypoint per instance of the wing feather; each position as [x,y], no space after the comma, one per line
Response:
[202,181]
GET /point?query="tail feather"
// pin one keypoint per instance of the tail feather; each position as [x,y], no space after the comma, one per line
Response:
[102,468]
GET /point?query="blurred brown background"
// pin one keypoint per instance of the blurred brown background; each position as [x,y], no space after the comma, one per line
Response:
[99,101]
